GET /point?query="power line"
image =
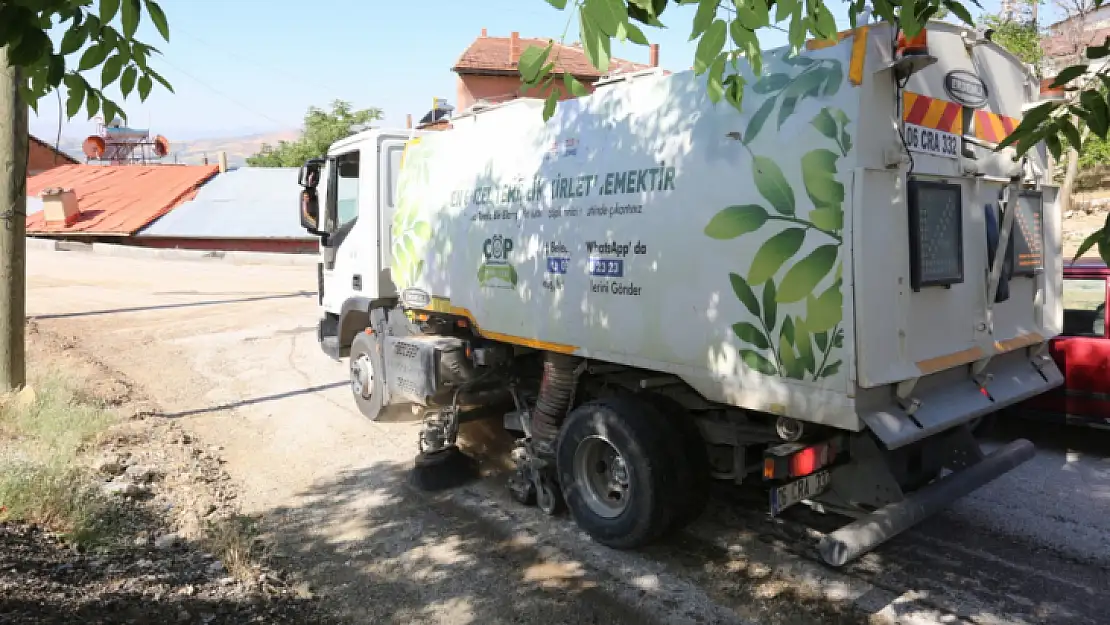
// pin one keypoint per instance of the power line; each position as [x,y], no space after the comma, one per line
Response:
[204,84]
[241,58]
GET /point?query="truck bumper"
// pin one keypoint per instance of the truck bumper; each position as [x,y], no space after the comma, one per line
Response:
[951,398]
[868,532]
[327,334]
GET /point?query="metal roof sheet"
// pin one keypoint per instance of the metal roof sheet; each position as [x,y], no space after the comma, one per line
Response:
[119,199]
[245,203]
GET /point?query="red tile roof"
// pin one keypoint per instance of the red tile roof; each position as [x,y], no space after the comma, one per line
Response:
[119,199]
[496,55]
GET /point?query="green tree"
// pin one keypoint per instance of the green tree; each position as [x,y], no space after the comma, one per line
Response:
[726,30]
[96,35]
[1019,35]
[321,129]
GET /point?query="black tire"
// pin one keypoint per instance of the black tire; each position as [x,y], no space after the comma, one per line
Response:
[638,433]
[368,347]
[692,458]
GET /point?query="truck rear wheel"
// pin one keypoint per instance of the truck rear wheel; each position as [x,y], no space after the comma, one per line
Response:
[367,375]
[619,478]
[694,470]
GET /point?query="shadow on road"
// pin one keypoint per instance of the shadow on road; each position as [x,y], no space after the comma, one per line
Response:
[115,311]
[253,400]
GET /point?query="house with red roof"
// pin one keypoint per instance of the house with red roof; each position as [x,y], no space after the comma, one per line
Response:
[489,68]
[43,156]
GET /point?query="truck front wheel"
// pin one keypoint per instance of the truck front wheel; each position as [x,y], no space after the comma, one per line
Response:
[617,475]
[367,375]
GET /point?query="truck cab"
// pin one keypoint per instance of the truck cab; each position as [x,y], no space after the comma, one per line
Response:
[348,200]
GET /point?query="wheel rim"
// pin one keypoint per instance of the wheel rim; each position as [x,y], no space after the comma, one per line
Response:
[362,376]
[603,476]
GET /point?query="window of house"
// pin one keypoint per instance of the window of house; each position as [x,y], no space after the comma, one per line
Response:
[1085,307]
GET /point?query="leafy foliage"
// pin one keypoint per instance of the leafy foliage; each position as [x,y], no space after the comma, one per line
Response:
[1019,36]
[726,31]
[103,38]
[321,129]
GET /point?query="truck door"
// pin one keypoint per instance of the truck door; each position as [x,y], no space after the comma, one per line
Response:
[342,275]
[389,169]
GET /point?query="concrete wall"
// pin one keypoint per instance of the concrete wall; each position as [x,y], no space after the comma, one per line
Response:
[472,88]
[271,246]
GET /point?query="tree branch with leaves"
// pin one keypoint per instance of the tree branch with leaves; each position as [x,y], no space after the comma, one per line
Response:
[96,35]
[726,31]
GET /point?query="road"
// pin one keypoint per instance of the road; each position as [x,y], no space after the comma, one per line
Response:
[230,352]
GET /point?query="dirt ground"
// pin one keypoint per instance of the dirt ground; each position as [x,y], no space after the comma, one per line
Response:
[229,355]
[154,557]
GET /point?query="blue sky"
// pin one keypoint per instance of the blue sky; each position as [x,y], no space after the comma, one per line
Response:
[246,66]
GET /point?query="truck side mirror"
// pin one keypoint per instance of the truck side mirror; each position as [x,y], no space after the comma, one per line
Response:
[310,211]
[309,177]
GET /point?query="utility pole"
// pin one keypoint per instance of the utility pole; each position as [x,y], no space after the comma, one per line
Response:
[13,226]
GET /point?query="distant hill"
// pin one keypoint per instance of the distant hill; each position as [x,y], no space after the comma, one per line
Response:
[193,152]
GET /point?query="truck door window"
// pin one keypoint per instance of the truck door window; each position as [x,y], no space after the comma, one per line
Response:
[346,195]
[1085,307]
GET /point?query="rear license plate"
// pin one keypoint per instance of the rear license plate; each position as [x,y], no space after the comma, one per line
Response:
[782,497]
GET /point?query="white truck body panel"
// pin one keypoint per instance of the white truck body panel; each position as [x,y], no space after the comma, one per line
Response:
[761,257]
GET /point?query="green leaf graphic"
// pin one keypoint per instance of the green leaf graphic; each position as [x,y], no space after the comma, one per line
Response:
[822,340]
[805,348]
[772,184]
[771,82]
[825,124]
[755,124]
[773,253]
[824,312]
[819,177]
[758,361]
[834,78]
[793,367]
[788,329]
[735,221]
[831,369]
[803,277]
[744,293]
[787,108]
[831,219]
[422,230]
[770,306]
[750,334]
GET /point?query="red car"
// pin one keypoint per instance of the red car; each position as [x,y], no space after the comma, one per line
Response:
[1082,350]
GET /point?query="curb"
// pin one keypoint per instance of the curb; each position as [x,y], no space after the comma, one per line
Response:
[127,251]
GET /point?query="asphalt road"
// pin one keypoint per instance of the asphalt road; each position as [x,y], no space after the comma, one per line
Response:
[230,351]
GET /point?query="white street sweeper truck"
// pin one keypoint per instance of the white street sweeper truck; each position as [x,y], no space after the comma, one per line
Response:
[822,294]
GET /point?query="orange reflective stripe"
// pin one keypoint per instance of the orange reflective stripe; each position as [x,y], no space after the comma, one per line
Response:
[994,127]
[509,338]
[922,110]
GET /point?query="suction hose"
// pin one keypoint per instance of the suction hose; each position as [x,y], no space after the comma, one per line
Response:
[556,393]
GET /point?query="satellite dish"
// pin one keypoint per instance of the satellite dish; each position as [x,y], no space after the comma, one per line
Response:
[161,146]
[94,146]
